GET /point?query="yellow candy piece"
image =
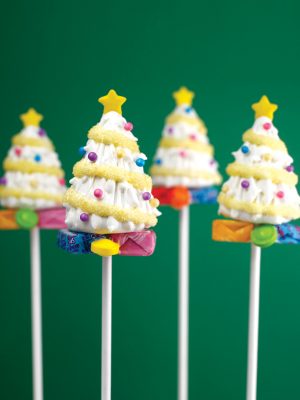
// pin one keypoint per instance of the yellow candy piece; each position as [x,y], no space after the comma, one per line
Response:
[264,108]
[183,96]
[31,118]
[112,102]
[121,153]
[105,247]
[154,203]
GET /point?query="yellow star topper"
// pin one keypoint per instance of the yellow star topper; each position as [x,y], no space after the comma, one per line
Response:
[264,108]
[31,118]
[184,96]
[112,102]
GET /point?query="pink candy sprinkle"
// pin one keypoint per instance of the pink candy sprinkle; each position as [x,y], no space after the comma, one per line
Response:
[128,126]
[18,151]
[267,126]
[98,193]
[193,136]
[280,194]
[62,182]
[183,153]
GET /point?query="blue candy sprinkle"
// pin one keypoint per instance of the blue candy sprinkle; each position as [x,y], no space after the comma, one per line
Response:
[245,149]
[188,109]
[158,161]
[140,162]
[37,158]
[82,151]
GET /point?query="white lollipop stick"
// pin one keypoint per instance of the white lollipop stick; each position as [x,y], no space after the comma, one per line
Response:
[36,314]
[253,322]
[183,320]
[106,328]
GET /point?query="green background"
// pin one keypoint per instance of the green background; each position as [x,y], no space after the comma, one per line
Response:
[60,57]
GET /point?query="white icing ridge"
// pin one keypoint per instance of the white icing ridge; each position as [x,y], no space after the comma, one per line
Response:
[108,155]
[28,153]
[113,121]
[182,130]
[256,154]
[260,130]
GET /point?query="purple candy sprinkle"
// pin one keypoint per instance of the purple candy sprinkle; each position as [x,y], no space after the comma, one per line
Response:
[3,181]
[42,132]
[92,156]
[146,196]
[170,130]
[245,184]
[290,168]
[84,217]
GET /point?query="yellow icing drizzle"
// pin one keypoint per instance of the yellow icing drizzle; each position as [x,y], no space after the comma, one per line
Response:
[91,206]
[175,118]
[277,176]
[20,140]
[28,167]
[18,193]
[260,140]
[136,179]
[285,211]
[163,171]
[101,135]
[186,144]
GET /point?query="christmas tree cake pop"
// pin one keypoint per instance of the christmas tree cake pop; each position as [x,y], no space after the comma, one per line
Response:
[110,193]
[33,176]
[184,156]
[262,184]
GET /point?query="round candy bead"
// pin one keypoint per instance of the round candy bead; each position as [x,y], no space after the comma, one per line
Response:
[37,158]
[290,168]
[84,217]
[245,149]
[26,218]
[158,161]
[280,194]
[267,126]
[140,162]
[170,130]
[146,196]
[264,235]
[3,181]
[128,126]
[188,109]
[18,151]
[98,193]
[193,136]
[92,156]
[245,184]
[154,203]
[82,151]
[62,182]
[41,132]
[212,162]
[182,153]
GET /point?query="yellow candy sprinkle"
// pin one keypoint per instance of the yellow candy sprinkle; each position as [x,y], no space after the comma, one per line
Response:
[121,153]
[105,247]
[154,203]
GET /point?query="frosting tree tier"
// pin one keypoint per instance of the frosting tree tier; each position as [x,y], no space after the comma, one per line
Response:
[110,193]
[33,175]
[184,156]
[262,184]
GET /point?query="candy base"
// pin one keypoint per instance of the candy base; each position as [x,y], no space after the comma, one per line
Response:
[125,244]
[260,235]
[28,219]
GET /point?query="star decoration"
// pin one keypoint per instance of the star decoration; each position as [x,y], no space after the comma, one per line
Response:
[112,102]
[264,108]
[184,96]
[31,118]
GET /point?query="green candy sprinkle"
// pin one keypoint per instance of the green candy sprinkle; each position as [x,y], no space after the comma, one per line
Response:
[264,236]
[26,218]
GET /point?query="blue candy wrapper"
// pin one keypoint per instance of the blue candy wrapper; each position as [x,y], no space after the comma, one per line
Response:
[76,242]
[204,196]
[288,234]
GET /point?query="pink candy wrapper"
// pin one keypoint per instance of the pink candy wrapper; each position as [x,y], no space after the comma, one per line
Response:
[135,243]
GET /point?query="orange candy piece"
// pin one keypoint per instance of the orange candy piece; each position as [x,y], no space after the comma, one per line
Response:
[232,231]
[176,197]
[8,220]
